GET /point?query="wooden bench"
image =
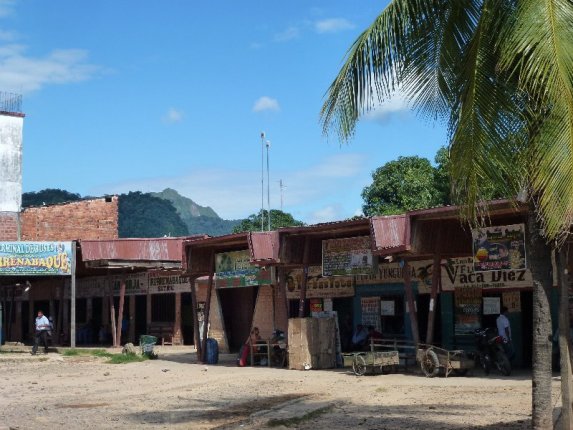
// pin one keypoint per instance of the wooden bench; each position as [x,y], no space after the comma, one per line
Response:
[164,332]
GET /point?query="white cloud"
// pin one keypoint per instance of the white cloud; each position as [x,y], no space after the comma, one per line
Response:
[332,25]
[6,7]
[324,214]
[289,34]
[265,103]
[24,74]
[173,116]
[395,105]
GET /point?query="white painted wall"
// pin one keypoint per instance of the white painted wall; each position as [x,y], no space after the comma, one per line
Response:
[10,163]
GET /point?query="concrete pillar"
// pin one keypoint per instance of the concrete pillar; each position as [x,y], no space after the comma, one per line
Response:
[178,336]
[131,334]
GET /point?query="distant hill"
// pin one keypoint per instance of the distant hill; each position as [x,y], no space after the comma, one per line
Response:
[199,219]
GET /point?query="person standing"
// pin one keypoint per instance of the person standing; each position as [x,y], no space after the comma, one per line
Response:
[41,335]
[504,330]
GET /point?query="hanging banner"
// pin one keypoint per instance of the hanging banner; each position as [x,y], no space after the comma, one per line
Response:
[371,312]
[459,273]
[318,286]
[347,256]
[467,309]
[499,248]
[35,258]
[234,269]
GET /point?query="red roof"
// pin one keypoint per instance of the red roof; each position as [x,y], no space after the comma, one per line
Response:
[391,233]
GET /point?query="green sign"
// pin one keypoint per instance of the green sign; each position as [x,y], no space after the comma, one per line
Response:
[234,269]
[35,258]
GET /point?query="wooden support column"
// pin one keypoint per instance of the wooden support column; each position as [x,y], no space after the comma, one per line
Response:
[112,316]
[436,280]
[206,317]
[120,311]
[411,302]
[177,335]
[132,319]
[282,300]
[196,336]
[305,257]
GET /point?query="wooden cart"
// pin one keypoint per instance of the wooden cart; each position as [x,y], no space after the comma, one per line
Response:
[370,361]
[432,359]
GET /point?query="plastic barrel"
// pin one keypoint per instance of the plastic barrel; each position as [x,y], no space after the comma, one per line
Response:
[212,351]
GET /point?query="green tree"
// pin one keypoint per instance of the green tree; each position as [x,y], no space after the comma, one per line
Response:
[49,196]
[278,219]
[404,184]
[500,74]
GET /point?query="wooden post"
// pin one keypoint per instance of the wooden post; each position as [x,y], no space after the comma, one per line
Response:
[411,302]
[177,335]
[564,338]
[73,298]
[436,278]
[112,316]
[120,311]
[194,304]
[206,317]
[305,257]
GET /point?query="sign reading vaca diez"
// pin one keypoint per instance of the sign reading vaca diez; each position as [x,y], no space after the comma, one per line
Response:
[234,269]
[318,286]
[499,248]
[347,256]
[36,258]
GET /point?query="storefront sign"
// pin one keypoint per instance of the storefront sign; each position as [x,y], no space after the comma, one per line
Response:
[387,308]
[161,282]
[468,309]
[234,269]
[491,306]
[499,248]
[347,256]
[393,273]
[318,285]
[100,286]
[512,301]
[459,272]
[35,258]
[370,311]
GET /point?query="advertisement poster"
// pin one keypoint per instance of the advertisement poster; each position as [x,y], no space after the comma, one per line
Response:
[491,306]
[499,248]
[35,258]
[348,256]
[234,269]
[512,300]
[370,312]
[318,285]
[468,302]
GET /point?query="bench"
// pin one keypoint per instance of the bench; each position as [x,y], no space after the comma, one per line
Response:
[164,332]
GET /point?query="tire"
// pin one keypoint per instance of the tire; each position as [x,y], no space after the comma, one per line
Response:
[359,365]
[485,363]
[503,364]
[430,364]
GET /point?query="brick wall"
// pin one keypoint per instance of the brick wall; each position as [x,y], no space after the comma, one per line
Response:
[8,226]
[216,325]
[86,219]
[263,315]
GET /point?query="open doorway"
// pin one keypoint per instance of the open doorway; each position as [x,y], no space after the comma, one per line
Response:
[237,305]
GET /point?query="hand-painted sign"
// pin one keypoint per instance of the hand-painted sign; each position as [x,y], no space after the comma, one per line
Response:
[459,273]
[161,282]
[393,273]
[499,248]
[468,302]
[347,256]
[35,258]
[234,269]
[318,286]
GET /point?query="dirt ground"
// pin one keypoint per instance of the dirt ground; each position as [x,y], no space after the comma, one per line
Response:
[174,392]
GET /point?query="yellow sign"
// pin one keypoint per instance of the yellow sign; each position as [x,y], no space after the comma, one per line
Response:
[512,301]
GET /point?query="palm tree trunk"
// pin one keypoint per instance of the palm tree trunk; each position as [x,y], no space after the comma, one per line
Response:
[539,258]
[566,382]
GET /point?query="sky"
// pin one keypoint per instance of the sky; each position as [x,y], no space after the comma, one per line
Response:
[143,95]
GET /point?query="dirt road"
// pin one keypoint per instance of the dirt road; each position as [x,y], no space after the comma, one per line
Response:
[51,391]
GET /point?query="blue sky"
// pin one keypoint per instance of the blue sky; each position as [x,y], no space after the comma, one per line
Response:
[139,95]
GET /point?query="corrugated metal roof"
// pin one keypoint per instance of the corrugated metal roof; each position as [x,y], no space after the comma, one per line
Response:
[264,246]
[155,249]
[391,233]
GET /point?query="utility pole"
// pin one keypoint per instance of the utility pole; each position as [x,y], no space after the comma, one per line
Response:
[262,180]
[268,186]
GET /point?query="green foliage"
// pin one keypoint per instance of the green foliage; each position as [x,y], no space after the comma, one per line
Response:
[405,184]
[83,352]
[126,358]
[142,215]
[49,196]
[278,219]
[209,225]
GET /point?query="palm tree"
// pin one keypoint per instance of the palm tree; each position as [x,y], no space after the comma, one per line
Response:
[499,73]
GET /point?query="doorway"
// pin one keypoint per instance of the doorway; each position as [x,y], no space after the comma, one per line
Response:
[237,305]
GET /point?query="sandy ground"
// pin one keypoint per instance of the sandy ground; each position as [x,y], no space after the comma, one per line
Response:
[174,392]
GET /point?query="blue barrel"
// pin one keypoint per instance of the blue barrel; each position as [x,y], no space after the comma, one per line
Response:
[212,351]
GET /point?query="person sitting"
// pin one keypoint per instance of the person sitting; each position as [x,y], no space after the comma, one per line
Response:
[359,338]
[250,343]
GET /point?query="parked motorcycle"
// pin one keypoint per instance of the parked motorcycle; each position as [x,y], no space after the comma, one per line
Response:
[490,351]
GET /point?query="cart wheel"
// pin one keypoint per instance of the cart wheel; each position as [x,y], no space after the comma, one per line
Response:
[430,364]
[359,365]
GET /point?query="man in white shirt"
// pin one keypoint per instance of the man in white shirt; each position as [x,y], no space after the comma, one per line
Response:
[504,330]
[42,327]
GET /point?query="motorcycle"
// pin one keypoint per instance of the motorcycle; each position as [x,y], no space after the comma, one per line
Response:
[490,351]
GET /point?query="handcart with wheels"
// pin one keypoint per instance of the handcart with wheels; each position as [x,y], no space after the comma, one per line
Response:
[364,362]
[433,359]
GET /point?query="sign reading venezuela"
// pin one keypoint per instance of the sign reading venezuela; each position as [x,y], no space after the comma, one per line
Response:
[36,258]
[234,269]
